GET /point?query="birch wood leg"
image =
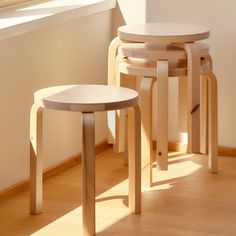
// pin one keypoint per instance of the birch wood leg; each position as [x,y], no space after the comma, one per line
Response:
[182,104]
[193,89]
[212,121]
[128,81]
[204,115]
[36,160]
[112,53]
[162,115]
[88,163]
[204,109]
[119,121]
[145,103]
[134,153]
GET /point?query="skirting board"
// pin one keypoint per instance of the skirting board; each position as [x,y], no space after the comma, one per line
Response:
[182,147]
[75,160]
[50,172]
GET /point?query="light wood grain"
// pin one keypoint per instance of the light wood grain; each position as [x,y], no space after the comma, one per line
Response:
[193,97]
[36,162]
[162,115]
[212,121]
[88,163]
[163,32]
[86,99]
[134,156]
[204,115]
[186,200]
[145,102]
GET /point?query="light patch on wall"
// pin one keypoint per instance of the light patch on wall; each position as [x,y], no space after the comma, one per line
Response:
[133,11]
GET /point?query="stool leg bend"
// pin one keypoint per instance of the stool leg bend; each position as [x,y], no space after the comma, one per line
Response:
[36,116]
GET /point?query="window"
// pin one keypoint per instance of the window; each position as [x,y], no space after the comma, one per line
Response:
[7,3]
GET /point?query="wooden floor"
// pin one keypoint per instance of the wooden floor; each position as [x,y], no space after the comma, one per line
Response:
[186,200]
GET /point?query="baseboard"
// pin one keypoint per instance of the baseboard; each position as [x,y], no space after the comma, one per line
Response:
[50,172]
[76,159]
[173,146]
[227,151]
[181,147]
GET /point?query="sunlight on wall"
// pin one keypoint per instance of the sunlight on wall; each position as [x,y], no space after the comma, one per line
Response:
[133,11]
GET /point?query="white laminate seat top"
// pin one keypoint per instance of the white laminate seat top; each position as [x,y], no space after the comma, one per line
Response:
[85,98]
[163,32]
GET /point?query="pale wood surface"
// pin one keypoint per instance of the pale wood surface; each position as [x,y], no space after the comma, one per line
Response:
[204,115]
[145,102]
[85,98]
[193,97]
[163,32]
[182,104]
[88,164]
[36,159]
[186,200]
[212,121]
[158,51]
[134,159]
[162,115]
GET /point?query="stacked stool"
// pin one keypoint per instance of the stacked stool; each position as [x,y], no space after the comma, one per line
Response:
[86,99]
[153,52]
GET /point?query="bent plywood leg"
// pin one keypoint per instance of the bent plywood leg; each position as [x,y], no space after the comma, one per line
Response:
[36,179]
[119,134]
[145,102]
[182,104]
[212,121]
[162,115]
[112,53]
[134,155]
[88,163]
[193,88]
[204,115]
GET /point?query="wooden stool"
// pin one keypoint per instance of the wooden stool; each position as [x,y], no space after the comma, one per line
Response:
[86,99]
[183,36]
[168,33]
[146,65]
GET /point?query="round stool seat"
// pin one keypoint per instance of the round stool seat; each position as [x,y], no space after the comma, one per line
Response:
[163,32]
[158,51]
[85,98]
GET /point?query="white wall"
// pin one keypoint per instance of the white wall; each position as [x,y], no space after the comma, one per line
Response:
[220,17]
[69,53]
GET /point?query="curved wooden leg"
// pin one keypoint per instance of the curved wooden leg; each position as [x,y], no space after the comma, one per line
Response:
[182,104]
[112,54]
[36,180]
[193,89]
[119,122]
[145,102]
[134,153]
[212,121]
[204,115]
[204,109]
[162,115]
[88,164]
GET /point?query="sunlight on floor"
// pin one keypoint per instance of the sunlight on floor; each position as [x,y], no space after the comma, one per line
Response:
[71,223]
[116,198]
